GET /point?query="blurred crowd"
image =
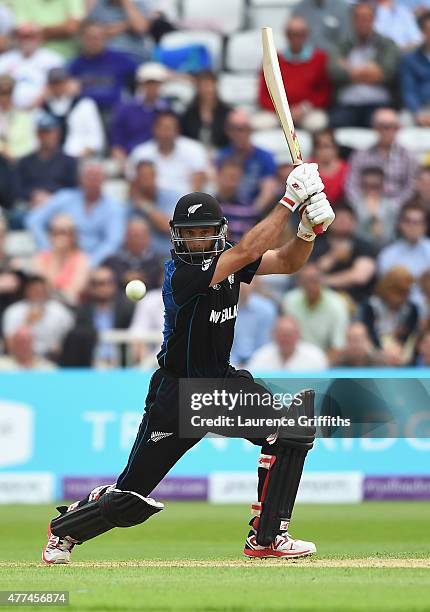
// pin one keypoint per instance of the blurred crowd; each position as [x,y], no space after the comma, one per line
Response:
[105,123]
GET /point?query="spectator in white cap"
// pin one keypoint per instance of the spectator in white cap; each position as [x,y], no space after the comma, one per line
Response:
[133,119]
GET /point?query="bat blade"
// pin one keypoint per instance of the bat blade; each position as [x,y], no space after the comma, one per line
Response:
[275,86]
[273,78]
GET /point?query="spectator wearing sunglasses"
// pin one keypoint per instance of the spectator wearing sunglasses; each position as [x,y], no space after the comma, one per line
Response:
[400,165]
[63,265]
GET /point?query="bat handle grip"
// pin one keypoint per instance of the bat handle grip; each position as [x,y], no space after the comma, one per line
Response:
[317,229]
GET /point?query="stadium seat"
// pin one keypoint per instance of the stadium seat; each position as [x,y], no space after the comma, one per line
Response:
[274,16]
[274,141]
[224,16]
[355,138]
[20,244]
[181,38]
[244,50]
[238,89]
[416,139]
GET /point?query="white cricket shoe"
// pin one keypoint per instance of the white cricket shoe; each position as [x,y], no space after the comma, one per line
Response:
[57,550]
[282,546]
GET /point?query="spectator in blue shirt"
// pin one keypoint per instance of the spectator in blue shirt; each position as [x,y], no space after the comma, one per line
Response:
[397,22]
[103,73]
[100,221]
[44,172]
[133,120]
[258,183]
[254,324]
[415,77]
[417,6]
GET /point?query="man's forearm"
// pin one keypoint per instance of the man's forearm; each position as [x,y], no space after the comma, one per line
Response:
[61,30]
[294,254]
[136,21]
[265,235]
[343,279]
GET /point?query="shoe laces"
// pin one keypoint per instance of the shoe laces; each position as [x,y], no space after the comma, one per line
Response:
[63,544]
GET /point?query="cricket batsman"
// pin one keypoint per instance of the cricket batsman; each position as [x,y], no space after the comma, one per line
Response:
[204,275]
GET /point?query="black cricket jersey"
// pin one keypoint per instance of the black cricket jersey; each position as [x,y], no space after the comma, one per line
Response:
[199,320]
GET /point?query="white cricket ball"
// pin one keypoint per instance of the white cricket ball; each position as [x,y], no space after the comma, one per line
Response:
[135,290]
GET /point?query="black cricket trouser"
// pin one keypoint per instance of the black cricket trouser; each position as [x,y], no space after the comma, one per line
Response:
[154,454]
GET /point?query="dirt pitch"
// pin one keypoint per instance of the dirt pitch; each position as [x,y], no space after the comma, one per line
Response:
[371,562]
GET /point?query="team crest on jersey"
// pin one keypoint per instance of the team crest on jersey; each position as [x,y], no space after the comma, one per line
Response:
[206,264]
[192,209]
[231,279]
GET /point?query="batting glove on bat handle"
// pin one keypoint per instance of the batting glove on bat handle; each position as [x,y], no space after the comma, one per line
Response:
[302,182]
[317,229]
[316,216]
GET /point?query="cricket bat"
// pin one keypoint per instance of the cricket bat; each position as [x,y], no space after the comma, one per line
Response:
[273,78]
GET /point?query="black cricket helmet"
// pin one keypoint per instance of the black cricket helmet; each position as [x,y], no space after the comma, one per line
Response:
[198,210]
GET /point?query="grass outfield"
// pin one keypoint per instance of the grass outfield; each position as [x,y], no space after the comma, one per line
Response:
[372,556]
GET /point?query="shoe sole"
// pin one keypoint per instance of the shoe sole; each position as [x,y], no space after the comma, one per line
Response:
[54,561]
[272,554]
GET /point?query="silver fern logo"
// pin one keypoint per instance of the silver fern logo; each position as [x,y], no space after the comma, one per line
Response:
[192,209]
[156,436]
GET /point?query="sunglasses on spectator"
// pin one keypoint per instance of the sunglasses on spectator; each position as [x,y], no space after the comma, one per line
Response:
[325,145]
[28,35]
[386,126]
[368,181]
[61,231]
[297,33]
[240,127]
[101,282]
[413,221]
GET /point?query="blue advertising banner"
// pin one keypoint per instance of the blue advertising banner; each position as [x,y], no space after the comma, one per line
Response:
[83,423]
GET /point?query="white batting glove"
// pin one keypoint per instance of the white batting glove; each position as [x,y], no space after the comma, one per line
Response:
[317,212]
[303,182]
